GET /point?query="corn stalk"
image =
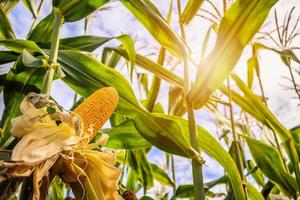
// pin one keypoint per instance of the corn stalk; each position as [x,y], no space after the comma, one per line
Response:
[199,193]
[52,61]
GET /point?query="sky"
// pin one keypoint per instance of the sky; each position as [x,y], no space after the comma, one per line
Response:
[117,20]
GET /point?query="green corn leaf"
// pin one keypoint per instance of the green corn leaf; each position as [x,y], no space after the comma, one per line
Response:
[221,180]
[287,55]
[153,67]
[87,43]
[75,10]
[161,175]
[213,148]
[83,43]
[110,58]
[138,162]
[265,115]
[125,136]
[270,163]
[156,81]
[153,7]
[240,23]
[253,193]
[85,75]
[157,27]
[7,6]
[8,56]
[31,6]
[143,82]
[205,42]
[174,96]
[184,191]
[146,198]
[250,70]
[16,87]
[296,135]
[132,183]
[42,32]
[128,45]
[255,106]
[116,119]
[18,45]
[90,43]
[255,173]
[6,30]
[57,190]
[190,11]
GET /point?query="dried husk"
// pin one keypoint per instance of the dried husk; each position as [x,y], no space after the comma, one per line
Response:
[53,139]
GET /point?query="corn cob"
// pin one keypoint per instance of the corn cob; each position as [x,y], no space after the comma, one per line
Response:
[96,109]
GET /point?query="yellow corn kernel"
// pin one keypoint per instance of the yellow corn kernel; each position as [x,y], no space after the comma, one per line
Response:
[97,108]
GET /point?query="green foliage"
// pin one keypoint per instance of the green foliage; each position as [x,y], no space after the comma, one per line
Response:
[271,164]
[6,30]
[190,11]
[77,9]
[241,21]
[138,124]
[125,136]
[31,6]
[157,26]
[85,74]
[7,6]
[43,30]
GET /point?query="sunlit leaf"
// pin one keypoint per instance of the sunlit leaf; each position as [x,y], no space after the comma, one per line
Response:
[153,67]
[157,26]
[255,106]
[252,66]
[143,82]
[128,45]
[190,11]
[240,23]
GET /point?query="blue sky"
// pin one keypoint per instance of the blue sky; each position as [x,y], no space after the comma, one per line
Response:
[117,20]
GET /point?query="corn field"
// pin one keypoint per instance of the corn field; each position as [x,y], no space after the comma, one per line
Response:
[149,99]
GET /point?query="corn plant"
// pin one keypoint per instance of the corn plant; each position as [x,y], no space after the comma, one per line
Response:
[50,152]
